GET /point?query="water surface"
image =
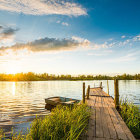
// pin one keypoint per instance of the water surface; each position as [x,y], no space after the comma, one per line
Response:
[20,102]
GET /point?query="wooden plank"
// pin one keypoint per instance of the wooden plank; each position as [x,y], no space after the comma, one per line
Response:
[91,101]
[99,129]
[92,127]
[111,128]
[93,138]
[124,126]
[105,122]
[97,91]
[92,122]
[118,128]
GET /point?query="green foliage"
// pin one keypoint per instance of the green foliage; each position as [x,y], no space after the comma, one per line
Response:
[13,136]
[30,76]
[64,123]
[2,135]
[131,115]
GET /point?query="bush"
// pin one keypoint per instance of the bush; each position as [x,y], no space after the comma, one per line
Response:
[131,115]
[64,123]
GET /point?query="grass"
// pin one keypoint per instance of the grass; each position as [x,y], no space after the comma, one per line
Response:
[64,123]
[67,123]
[131,115]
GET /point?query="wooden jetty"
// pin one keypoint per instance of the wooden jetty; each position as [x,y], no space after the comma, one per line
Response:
[105,122]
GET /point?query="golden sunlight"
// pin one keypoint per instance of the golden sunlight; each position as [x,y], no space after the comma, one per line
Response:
[13,68]
[13,89]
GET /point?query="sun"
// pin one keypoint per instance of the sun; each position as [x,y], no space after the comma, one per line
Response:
[13,68]
[12,71]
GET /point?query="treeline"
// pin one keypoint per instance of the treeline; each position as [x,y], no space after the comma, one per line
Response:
[30,76]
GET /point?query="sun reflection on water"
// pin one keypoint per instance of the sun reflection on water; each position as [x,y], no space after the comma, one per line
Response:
[13,88]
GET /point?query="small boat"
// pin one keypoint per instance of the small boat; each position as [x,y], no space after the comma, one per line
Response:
[53,101]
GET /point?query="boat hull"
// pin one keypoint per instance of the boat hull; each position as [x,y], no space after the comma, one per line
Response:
[53,101]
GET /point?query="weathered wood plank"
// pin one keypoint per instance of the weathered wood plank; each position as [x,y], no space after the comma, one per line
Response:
[105,122]
[118,128]
[124,126]
[111,128]
[99,129]
[92,127]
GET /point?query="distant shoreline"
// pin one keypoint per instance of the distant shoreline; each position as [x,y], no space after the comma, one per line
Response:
[30,76]
[68,80]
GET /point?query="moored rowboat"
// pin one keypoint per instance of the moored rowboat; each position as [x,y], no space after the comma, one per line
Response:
[60,100]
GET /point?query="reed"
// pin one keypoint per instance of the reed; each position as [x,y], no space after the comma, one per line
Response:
[131,115]
[64,123]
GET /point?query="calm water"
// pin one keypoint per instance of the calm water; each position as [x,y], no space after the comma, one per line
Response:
[20,102]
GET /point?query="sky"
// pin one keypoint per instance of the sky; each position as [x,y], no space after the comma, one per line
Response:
[70,36]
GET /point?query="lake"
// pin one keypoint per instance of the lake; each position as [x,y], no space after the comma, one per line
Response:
[20,102]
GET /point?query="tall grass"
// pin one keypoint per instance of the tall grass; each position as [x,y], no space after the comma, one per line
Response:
[64,123]
[131,115]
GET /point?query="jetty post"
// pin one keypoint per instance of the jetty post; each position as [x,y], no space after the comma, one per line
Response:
[83,93]
[116,92]
[101,85]
[107,87]
[88,89]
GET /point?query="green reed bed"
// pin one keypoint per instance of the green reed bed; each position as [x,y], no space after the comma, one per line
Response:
[131,115]
[64,123]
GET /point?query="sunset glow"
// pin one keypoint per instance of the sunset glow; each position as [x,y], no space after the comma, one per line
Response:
[70,37]
[13,68]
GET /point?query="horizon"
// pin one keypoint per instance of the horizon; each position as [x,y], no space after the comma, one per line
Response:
[76,75]
[70,37]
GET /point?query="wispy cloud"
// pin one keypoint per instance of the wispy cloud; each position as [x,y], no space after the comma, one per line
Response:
[62,23]
[47,44]
[7,33]
[65,24]
[133,56]
[58,21]
[43,7]
[1,27]
[126,42]
[97,46]
[136,38]
[102,53]
[123,36]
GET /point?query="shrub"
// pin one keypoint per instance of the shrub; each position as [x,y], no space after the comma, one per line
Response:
[63,123]
[131,115]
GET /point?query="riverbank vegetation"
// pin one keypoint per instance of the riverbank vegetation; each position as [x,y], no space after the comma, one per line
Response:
[64,123]
[30,76]
[131,115]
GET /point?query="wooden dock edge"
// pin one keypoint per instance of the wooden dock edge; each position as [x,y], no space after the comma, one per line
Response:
[105,122]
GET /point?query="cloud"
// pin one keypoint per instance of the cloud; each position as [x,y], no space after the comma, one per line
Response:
[123,36]
[58,21]
[65,24]
[136,38]
[102,53]
[7,32]
[130,57]
[47,44]
[96,46]
[1,27]
[43,7]
[7,35]
[62,23]
[127,42]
